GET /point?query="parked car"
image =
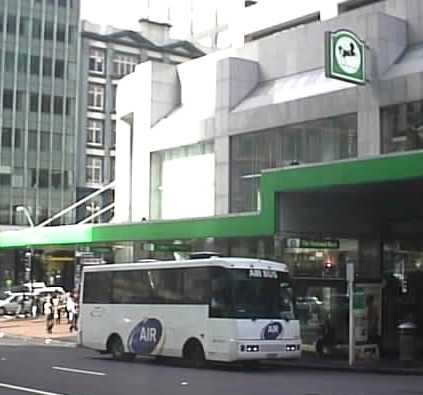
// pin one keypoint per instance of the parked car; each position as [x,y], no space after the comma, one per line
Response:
[48,291]
[10,304]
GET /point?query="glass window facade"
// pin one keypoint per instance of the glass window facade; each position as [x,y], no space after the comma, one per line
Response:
[96,97]
[112,168]
[37,129]
[124,64]
[311,142]
[94,170]
[184,175]
[402,127]
[95,131]
[97,61]
[113,132]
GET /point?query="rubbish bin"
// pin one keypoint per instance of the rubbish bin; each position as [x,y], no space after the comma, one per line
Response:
[407,341]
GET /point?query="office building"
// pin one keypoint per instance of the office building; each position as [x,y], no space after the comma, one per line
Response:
[108,54]
[38,83]
[274,159]
[38,101]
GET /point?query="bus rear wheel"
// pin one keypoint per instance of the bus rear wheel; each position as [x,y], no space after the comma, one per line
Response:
[194,354]
[118,351]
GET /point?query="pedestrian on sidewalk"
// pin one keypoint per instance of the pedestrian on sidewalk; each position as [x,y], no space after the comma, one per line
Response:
[56,312]
[34,307]
[21,305]
[48,311]
[73,314]
[70,307]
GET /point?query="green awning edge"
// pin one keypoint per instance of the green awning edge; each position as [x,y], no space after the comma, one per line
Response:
[386,168]
[49,235]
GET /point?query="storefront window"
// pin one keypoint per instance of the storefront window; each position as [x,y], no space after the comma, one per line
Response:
[184,175]
[312,142]
[318,268]
[323,314]
[402,290]
[402,127]
[320,263]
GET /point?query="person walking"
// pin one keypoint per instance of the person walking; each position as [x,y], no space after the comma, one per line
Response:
[73,314]
[56,313]
[69,307]
[34,307]
[19,310]
[48,311]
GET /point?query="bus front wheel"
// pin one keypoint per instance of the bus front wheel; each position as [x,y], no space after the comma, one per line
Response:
[118,351]
[194,353]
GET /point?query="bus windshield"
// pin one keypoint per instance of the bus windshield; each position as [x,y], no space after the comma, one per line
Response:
[254,294]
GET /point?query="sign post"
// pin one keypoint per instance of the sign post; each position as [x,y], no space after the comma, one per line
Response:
[350,282]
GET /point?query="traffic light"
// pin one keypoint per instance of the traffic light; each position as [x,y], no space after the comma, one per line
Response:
[26,258]
[404,285]
[329,268]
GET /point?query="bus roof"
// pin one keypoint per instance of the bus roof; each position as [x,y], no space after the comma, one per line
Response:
[228,263]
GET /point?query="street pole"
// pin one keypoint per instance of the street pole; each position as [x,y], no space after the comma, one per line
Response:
[350,282]
[31,271]
[29,253]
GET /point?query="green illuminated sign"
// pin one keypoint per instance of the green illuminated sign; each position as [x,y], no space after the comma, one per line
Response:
[167,247]
[345,57]
[307,243]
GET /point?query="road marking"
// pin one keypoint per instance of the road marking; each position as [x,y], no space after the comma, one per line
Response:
[79,371]
[25,389]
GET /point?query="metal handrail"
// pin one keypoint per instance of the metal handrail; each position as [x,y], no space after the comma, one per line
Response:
[96,214]
[76,204]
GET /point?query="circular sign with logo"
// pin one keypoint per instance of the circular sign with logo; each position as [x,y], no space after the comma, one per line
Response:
[272,331]
[348,55]
[345,57]
[146,336]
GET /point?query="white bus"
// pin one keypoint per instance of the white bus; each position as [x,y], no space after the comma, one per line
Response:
[220,309]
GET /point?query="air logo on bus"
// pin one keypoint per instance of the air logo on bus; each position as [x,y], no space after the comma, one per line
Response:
[272,331]
[146,336]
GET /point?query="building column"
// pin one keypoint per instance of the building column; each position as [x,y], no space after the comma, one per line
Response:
[235,79]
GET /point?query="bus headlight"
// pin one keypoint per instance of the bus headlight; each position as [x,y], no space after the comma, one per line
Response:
[292,347]
[250,348]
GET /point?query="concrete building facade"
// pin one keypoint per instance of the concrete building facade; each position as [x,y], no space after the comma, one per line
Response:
[207,137]
[271,83]
[107,55]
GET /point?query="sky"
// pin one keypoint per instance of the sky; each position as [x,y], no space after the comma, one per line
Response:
[126,13]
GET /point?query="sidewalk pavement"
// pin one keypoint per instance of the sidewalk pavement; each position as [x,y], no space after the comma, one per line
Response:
[35,330]
[383,366]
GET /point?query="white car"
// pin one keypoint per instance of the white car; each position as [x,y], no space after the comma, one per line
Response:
[10,305]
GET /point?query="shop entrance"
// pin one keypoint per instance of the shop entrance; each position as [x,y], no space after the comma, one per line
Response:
[385,221]
[402,291]
[322,309]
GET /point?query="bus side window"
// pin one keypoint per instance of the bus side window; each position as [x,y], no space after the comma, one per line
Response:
[131,286]
[220,294]
[98,287]
[196,285]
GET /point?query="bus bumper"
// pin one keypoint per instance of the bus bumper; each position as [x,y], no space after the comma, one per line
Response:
[262,350]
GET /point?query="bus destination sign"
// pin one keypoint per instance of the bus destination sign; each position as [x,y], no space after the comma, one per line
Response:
[259,273]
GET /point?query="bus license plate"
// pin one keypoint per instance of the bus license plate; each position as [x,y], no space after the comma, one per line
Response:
[272,355]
